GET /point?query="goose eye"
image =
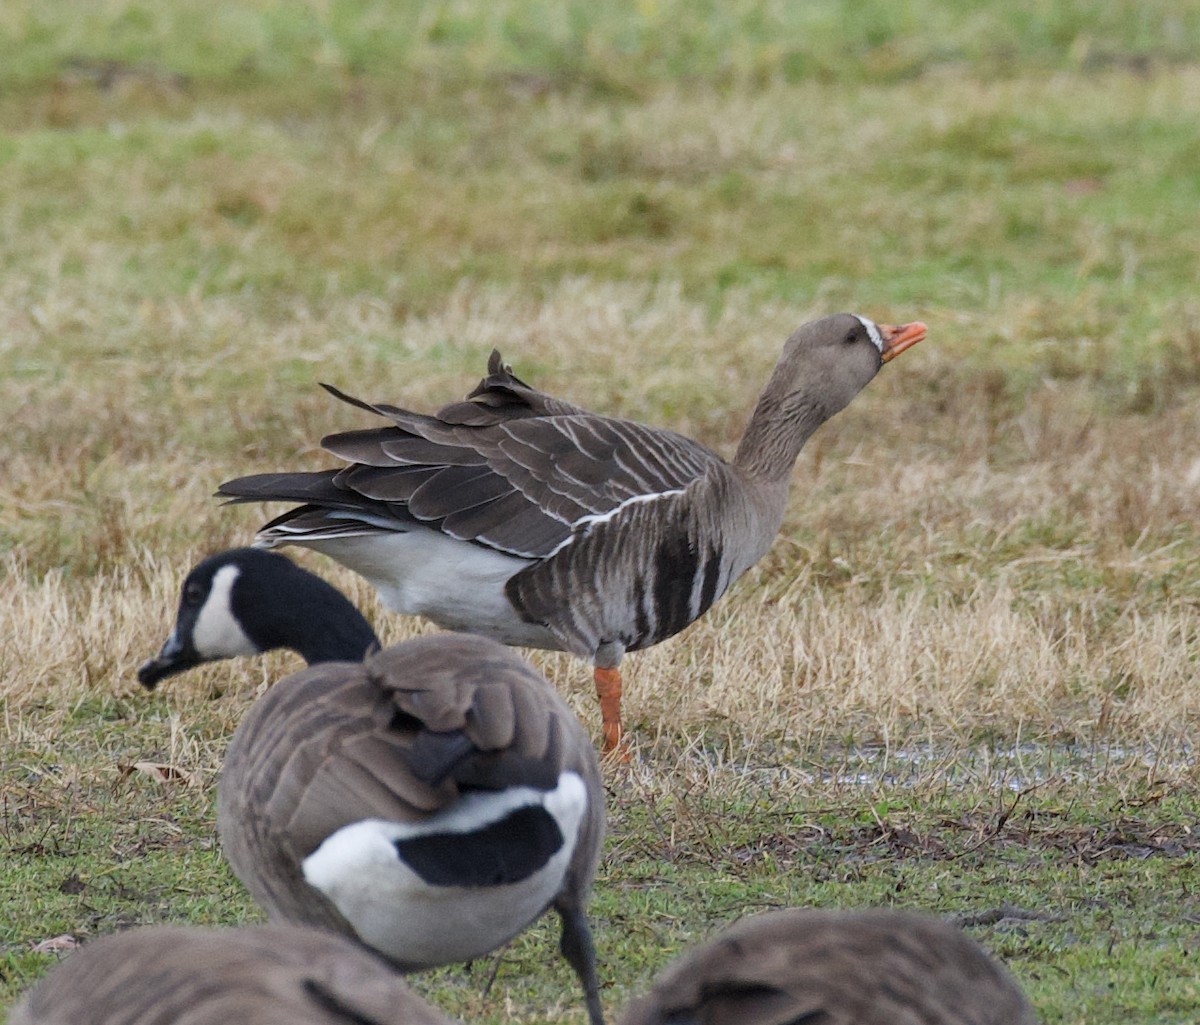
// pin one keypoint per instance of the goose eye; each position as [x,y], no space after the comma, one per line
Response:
[193,593]
[853,337]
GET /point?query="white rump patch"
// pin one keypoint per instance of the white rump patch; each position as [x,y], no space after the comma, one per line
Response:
[395,911]
[217,633]
[872,331]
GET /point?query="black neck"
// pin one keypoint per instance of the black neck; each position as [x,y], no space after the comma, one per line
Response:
[298,610]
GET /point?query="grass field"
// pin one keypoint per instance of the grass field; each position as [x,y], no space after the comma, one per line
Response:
[964,680]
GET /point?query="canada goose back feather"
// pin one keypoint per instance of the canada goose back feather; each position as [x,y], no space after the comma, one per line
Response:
[396,766]
[266,975]
[873,967]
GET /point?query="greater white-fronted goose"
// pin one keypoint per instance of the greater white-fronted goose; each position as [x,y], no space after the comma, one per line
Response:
[528,519]
[246,601]
[432,802]
[875,967]
[268,975]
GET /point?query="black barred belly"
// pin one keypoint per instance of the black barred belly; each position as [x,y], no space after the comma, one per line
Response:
[504,852]
[678,587]
[628,585]
[675,589]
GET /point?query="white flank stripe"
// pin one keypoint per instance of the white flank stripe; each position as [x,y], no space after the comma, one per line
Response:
[593,519]
[422,572]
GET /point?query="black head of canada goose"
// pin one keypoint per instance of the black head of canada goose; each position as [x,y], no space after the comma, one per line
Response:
[874,967]
[432,801]
[525,518]
[246,601]
[265,975]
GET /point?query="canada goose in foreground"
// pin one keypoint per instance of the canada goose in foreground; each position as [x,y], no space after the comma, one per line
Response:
[267,975]
[246,601]
[528,519]
[432,802]
[458,794]
[875,967]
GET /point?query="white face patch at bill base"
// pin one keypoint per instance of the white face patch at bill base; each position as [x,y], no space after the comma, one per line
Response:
[872,331]
[393,908]
[217,632]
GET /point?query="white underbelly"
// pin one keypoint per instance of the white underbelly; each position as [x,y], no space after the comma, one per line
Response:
[421,925]
[453,925]
[456,584]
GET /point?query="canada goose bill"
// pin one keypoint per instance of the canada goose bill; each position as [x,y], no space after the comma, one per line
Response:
[872,967]
[264,975]
[431,802]
[525,518]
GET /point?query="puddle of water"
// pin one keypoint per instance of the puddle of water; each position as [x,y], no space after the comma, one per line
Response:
[1014,767]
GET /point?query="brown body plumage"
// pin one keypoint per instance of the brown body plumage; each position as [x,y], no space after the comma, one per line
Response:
[875,967]
[268,975]
[414,736]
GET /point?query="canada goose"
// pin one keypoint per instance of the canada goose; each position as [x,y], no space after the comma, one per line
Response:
[266,975]
[875,967]
[445,736]
[432,802]
[528,519]
[246,601]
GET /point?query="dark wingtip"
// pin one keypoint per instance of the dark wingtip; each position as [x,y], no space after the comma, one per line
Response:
[337,393]
[436,755]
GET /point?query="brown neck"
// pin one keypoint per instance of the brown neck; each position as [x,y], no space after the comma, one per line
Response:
[775,435]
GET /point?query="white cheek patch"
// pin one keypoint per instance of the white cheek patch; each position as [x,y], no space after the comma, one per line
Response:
[217,633]
[872,331]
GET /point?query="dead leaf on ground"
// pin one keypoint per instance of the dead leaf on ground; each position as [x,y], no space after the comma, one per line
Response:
[160,772]
[53,945]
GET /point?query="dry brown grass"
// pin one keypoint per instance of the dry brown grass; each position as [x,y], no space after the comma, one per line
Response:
[965,675]
[954,563]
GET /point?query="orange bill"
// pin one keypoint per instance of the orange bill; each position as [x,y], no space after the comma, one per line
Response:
[898,338]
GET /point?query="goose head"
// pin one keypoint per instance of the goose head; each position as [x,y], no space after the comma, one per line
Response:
[827,362]
[824,364]
[246,601]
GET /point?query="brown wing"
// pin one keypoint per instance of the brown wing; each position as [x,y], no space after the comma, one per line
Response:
[835,968]
[397,738]
[257,976]
[509,468]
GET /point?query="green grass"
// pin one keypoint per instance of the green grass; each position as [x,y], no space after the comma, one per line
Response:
[991,560]
[1086,893]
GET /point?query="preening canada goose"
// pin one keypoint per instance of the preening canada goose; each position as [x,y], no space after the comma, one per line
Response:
[525,518]
[268,975]
[246,601]
[431,801]
[876,967]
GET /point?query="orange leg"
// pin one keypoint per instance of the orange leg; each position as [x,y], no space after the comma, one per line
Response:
[608,690]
